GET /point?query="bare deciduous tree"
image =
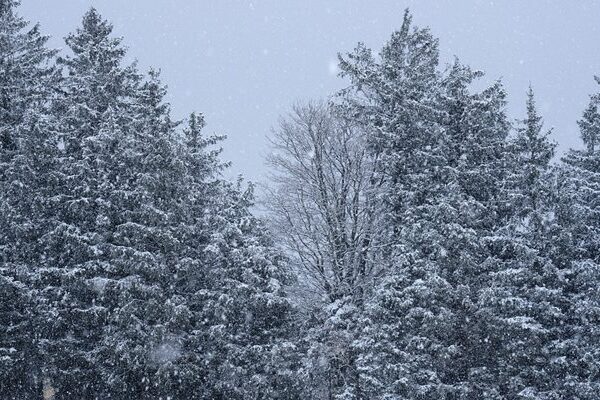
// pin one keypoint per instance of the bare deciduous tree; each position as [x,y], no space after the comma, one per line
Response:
[322,200]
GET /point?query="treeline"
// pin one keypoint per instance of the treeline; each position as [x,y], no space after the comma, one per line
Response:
[423,245]
[129,267]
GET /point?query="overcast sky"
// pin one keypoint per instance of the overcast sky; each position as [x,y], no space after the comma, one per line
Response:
[243,63]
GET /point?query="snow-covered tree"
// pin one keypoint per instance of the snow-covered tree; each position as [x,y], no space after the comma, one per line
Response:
[522,306]
[243,315]
[138,220]
[89,117]
[532,151]
[28,81]
[27,75]
[575,251]
[394,98]
[442,156]
[323,209]
[322,202]
[141,212]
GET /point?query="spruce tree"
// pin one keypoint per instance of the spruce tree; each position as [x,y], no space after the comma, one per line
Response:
[92,116]
[238,334]
[142,337]
[522,307]
[394,97]
[246,316]
[28,83]
[28,75]
[423,338]
[576,253]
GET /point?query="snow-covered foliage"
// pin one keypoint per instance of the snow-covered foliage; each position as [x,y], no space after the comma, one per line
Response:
[130,267]
[483,247]
[418,245]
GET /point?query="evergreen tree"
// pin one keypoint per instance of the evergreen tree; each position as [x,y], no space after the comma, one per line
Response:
[27,216]
[532,152]
[475,133]
[423,338]
[522,307]
[576,253]
[243,314]
[143,212]
[232,277]
[28,75]
[28,81]
[17,347]
[93,114]
[393,97]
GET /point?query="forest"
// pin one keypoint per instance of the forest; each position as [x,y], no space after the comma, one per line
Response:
[416,242]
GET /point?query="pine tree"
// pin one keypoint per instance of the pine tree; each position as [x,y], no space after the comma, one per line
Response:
[143,214]
[533,152]
[244,315]
[475,132]
[28,74]
[576,253]
[147,249]
[28,83]
[394,97]
[92,115]
[236,342]
[423,337]
[17,347]
[522,307]
[27,212]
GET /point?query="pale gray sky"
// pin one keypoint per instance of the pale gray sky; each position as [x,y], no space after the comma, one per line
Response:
[242,63]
